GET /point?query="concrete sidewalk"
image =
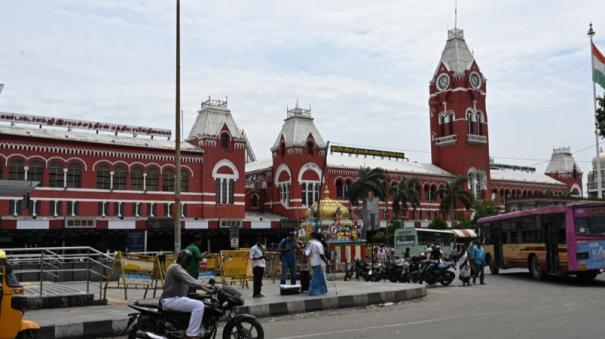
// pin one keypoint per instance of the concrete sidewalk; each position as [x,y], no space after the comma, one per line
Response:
[106,321]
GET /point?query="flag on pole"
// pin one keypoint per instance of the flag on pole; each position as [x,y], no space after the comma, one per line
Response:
[598,71]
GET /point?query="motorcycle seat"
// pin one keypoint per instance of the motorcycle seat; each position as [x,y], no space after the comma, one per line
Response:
[148,305]
[443,266]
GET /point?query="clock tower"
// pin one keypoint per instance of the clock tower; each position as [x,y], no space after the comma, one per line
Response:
[458,118]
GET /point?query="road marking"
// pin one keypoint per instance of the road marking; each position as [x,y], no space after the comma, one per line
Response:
[411,323]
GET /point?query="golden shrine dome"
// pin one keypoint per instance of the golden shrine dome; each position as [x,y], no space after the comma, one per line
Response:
[328,208]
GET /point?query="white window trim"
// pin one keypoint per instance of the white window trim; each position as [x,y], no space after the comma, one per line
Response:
[225,163]
[316,188]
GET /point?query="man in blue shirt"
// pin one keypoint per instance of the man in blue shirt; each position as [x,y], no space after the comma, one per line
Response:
[479,260]
[288,247]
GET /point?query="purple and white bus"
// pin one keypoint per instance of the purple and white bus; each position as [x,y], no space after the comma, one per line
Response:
[561,240]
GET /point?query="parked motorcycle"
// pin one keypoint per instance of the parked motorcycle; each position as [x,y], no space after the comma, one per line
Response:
[359,269]
[395,268]
[435,271]
[414,270]
[152,322]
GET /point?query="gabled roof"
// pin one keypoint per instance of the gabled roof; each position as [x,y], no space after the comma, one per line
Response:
[259,165]
[562,161]
[387,164]
[297,128]
[211,119]
[101,138]
[538,178]
[456,55]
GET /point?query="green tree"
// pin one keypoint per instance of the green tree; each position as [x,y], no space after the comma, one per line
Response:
[405,195]
[484,208]
[438,224]
[454,194]
[601,115]
[368,179]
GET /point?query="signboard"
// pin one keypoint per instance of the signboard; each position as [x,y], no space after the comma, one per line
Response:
[82,124]
[135,241]
[80,223]
[512,167]
[234,242]
[136,270]
[365,151]
[228,223]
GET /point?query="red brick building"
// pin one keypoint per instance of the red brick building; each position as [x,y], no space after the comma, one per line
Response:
[289,183]
[106,185]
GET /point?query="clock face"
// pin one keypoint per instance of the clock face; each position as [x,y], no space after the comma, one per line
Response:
[475,80]
[443,82]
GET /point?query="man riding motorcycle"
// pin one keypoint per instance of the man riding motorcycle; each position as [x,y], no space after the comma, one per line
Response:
[176,288]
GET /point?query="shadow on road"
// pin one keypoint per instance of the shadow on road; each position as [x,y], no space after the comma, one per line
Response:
[556,280]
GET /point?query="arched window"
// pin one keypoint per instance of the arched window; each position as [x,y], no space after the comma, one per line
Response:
[136,179]
[225,140]
[16,171]
[340,189]
[119,178]
[103,178]
[469,121]
[254,201]
[36,172]
[441,125]
[451,123]
[55,175]
[74,176]
[168,181]
[1,169]
[348,184]
[427,193]
[184,181]
[152,180]
[310,147]
[282,149]
[479,124]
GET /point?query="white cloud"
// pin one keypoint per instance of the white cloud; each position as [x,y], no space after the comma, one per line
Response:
[364,66]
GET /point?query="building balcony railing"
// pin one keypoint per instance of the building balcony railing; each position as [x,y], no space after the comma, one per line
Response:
[476,139]
[446,140]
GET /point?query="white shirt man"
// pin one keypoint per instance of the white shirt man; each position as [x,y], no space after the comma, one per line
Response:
[314,251]
[257,256]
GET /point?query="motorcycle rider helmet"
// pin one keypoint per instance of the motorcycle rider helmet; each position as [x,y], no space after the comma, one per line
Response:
[185,258]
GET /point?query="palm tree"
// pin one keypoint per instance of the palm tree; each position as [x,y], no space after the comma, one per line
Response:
[405,195]
[453,194]
[368,179]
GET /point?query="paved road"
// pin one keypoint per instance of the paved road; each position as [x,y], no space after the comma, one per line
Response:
[510,305]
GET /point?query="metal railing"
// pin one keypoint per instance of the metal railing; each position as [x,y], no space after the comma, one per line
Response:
[55,263]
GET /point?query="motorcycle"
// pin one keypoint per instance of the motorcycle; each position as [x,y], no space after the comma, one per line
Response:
[359,269]
[436,271]
[395,269]
[414,269]
[152,322]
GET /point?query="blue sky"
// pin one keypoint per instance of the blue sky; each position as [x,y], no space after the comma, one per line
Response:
[364,66]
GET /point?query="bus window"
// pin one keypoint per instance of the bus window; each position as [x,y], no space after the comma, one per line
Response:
[405,239]
[591,225]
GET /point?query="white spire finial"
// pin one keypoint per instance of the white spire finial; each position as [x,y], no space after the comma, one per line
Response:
[456,14]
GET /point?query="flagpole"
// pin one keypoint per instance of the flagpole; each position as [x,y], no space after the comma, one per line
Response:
[591,32]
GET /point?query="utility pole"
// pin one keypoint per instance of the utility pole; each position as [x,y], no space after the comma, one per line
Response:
[177,141]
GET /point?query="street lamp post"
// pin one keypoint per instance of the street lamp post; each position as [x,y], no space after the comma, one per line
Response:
[177,184]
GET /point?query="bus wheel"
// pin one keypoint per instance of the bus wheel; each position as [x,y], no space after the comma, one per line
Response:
[587,277]
[493,268]
[534,268]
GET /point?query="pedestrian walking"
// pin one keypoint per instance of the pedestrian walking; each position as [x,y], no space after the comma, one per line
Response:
[288,247]
[479,259]
[257,255]
[315,251]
